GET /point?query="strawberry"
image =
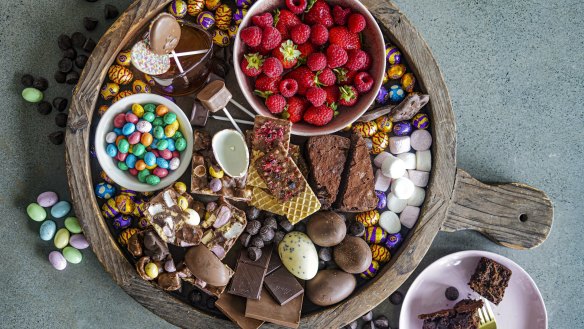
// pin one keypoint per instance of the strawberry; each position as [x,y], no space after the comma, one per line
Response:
[271,38]
[276,103]
[363,82]
[272,67]
[340,35]
[356,23]
[287,54]
[251,65]
[320,12]
[348,96]
[296,6]
[266,86]
[332,94]
[305,50]
[264,20]
[288,87]
[344,76]
[326,77]
[316,96]
[318,34]
[316,61]
[251,36]
[318,115]
[304,77]
[300,33]
[336,56]
[356,61]
[340,15]
[284,20]
[295,109]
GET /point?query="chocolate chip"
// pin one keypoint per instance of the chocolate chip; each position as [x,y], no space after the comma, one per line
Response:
[396,298]
[367,316]
[252,213]
[72,77]
[70,53]
[219,67]
[90,23]
[245,238]
[60,103]
[267,234]
[41,84]
[44,107]
[278,236]
[254,253]
[78,39]
[64,42]
[195,297]
[382,322]
[256,241]
[271,223]
[285,224]
[61,120]
[65,65]
[352,325]
[356,229]
[57,137]
[27,80]
[80,61]
[321,265]
[368,325]
[451,293]
[211,302]
[253,227]
[325,254]
[110,11]
[60,77]
[300,227]
[89,45]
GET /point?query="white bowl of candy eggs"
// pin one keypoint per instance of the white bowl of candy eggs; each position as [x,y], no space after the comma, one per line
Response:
[157,162]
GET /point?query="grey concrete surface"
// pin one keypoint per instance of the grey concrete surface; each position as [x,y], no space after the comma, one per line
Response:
[515,71]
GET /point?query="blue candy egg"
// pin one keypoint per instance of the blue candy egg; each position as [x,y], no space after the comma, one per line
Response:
[162,163]
[131,160]
[402,128]
[382,96]
[104,190]
[171,147]
[47,230]
[396,94]
[154,144]
[150,159]
[118,131]
[128,128]
[60,209]
[111,150]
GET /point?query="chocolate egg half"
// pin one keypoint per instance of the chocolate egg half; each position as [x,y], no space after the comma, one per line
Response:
[206,266]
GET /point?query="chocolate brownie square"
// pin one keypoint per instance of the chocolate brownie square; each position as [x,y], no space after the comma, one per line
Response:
[490,280]
[463,315]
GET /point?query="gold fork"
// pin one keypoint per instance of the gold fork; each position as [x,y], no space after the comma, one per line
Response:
[487,318]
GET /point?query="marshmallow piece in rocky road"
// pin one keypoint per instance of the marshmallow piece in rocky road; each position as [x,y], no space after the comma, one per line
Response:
[395,204]
[393,167]
[382,182]
[423,160]
[389,222]
[419,178]
[402,188]
[378,160]
[399,144]
[421,140]
[417,198]
[409,159]
[409,216]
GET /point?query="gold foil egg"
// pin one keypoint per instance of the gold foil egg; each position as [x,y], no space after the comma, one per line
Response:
[101,110]
[396,71]
[232,31]
[124,58]
[212,4]
[380,142]
[141,87]
[408,82]
[194,7]
[122,94]
[365,129]
[120,75]
[384,124]
[221,38]
[109,90]
[149,80]
[223,17]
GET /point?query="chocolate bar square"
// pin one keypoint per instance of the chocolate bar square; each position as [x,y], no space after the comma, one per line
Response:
[283,179]
[283,286]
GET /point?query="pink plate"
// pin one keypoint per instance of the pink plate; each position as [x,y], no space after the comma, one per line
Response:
[522,307]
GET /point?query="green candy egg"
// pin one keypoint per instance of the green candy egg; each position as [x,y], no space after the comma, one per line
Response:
[158,132]
[157,122]
[149,116]
[177,135]
[32,95]
[123,146]
[138,150]
[152,180]
[72,224]
[72,255]
[162,144]
[180,144]
[142,175]
[122,165]
[169,118]
[149,107]
[61,238]
[36,212]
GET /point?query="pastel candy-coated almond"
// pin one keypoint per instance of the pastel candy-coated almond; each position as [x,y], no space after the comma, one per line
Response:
[61,238]
[47,230]
[423,160]
[60,209]
[394,204]
[47,199]
[389,221]
[72,224]
[417,198]
[409,216]
[57,260]
[78,241]
[72,255]
[402,188]
[409,159]
[421,140]
[399,144]
[382,182]
[36,212]
[419,178]
[393,167]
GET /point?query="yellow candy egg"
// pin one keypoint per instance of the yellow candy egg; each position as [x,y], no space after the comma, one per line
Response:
[120,75]
[151,270]
[221,38]
[109,90]
[380,142]
[138,110]
[169,131]
[101,110]
[368,218]
[212,4]
[124,58]
[141,87]
[194,7]
[396,71]
[365,129]
[384,124]
[216,172]
[151,167]
[126,235]
[180,187]
[223,17]
[122,94]
[182,202]
[380,253]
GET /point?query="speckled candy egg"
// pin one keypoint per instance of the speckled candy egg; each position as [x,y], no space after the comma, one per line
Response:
[120,75]
[298,255]
[109,90]
[126,235]
[243,3]
[122,94]
[408,82]
[380,253]
[122,221]
[396,71]
[104,190]
[396,94]
[384,124]
[368,218]
[141,87]
[221,38]
[402,128]
[365,129]
[223,17]
[375,234]
[382,96]
[238,15]
[178,8]
[206,20]
[212,4]
[125,204]
[379,142]
[109,209]
[232,31]
[392,54]
[194,7]
[101,110]
[381,200]
[421,121]
[124,58]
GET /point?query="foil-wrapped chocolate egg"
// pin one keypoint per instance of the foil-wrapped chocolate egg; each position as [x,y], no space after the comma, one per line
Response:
[142,223]
[380,253]
[368,218]
[206,19]
[212,4]
[408,82]
[396,94]
[122,221]
[223,17]
[104,190]
[149,80]
[385,78]
[122,94]
[131,193]
[384,124]
[238,15]
[393,241]
[101,110]
[194,7]
[105,177]
[124,57]
[381,200]
[178,8]
[396,71]
[125,204]
[375,234]
[402,128]
[382,96]
[109,209]
[421,121]
[120,74]
[221,38]
[392,54]
[380,142]
[140,208]
[141,87]
[371,271]
[126,235]
[232,31]
[243,3]
[109,90]
[365,129]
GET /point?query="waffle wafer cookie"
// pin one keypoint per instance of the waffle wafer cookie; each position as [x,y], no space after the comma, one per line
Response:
[298,208]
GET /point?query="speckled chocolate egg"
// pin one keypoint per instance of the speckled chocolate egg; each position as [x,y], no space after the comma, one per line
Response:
[402,128]
[371,271]
[125,204]
[375,234]
[352,255]
[194,7]
[122,221]
[212,4]
[109,209]
[238,15]
[326,228]
[223,17]
[141,87]
[421,121]
[221,38]
[124,57]
[368,218]
[392,54]
[396,71]
[380,141]
[396,94]
[330,287]
[206,19]
[365,129]
[120,74]
[380,253]
[104,191]
[206,266]
[178,8]
[298,255]
[243,3]
[109,90]
[408,82]
[232,31]
[382,96]
[384,124]
[126,235]
[122,94]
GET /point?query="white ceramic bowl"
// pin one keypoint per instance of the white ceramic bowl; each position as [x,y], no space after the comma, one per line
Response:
[109,164]
[373,44]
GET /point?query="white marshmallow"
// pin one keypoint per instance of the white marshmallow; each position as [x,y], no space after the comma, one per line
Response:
[402,188]
[409,216]
[393,167]
[419,178]
[378,160]
[423,160]
[381,181]
[409,159]
[389,221]
[421,140]
[417,198]
[399,144]
[394,204]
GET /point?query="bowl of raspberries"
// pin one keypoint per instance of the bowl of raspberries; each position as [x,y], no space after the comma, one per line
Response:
[317,63]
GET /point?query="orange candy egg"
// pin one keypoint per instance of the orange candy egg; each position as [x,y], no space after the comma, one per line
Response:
[146,139]
[161,110]
[140,165]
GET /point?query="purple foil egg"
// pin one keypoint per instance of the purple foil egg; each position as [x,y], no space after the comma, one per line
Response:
[122,221]
[243,3]
[382,95]
[393,241]
[381,200]
[402,128]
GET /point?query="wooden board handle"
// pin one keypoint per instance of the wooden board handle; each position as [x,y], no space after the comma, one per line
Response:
[514,215]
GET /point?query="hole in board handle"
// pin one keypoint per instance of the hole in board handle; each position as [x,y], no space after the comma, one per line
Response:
[523,218]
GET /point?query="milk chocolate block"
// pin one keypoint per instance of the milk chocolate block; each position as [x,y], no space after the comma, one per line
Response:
[490,280]
[268,132]
[223,227]
[283,179]
[327,156]
[267,309]
[214,96]
[234,308]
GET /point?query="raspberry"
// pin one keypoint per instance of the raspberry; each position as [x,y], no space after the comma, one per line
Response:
[264,20]
[271,38]
[319,34]
[356,61]
[251,36]
[332,94]
[367,64]
[356,23]
[340,15]
[288,87]
[326,77]
[300,33]
[284,20]
[276,103]
[316,61]
[305,50]
[363,82]
[296,6]
[320,12]
[251,65]
[318,115]
[348,96]
[304,77]
[336,56]
[272,67]
[295,109]
[316,96]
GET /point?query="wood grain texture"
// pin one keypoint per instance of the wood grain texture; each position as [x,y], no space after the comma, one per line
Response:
[513,215]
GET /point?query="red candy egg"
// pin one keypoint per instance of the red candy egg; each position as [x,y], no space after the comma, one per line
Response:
[134,138]
[160,172]
[121,156]
[119,120]
[133,171]
[175,154]
[166,154]
[131,117]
